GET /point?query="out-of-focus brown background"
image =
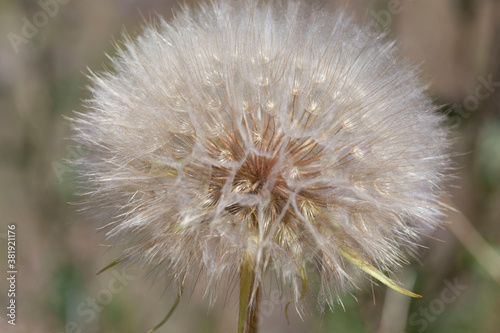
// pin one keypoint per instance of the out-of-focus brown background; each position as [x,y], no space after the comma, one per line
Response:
[45,53]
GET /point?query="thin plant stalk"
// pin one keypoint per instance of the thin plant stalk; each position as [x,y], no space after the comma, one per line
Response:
[254,311]
[248,312]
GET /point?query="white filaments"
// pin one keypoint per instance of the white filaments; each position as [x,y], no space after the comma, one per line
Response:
[279,133]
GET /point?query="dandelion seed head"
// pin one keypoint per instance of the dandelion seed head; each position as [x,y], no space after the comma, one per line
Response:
[277,131]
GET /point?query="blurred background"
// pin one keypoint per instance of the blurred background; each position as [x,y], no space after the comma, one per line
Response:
[46,49]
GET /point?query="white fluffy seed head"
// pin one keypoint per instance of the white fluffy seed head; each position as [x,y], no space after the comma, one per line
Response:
[282,133]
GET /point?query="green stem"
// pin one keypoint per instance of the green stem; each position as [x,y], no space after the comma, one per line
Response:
[253,320]
[248,314]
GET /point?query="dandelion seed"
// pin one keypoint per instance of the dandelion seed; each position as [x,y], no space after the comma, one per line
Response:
[255,139]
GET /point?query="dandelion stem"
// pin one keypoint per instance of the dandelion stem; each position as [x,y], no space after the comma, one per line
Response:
[253,319]
[248,315]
